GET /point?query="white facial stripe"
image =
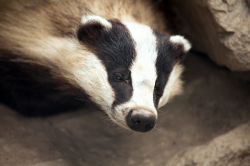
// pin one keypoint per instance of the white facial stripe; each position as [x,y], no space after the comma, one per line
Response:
[143,71]
[173,86]
[91,75]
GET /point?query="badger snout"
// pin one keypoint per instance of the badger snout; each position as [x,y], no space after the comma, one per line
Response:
[141,120]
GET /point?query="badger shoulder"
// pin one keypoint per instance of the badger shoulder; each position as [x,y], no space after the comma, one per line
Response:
[37,19]
[47,29]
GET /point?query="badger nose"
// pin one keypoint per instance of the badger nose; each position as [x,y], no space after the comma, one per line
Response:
[140,120]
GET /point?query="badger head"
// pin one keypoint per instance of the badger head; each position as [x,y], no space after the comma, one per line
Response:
[129,70]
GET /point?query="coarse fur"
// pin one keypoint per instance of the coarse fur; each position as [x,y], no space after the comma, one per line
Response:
[59,54]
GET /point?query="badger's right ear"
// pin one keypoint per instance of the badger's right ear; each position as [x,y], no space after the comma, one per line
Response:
[179,46]
[92,27]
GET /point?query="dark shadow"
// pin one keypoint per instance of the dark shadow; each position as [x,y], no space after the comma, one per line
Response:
[34,89]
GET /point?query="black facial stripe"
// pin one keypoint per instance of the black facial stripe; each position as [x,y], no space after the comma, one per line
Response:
[164,65]
[116,49]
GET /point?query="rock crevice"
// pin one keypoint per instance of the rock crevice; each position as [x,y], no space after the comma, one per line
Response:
[219,28]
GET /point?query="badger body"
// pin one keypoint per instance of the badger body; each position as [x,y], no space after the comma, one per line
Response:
[61,54]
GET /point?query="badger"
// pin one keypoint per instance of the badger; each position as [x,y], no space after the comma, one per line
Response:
[62,54]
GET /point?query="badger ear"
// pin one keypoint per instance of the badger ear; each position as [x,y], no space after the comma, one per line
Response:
[179,46]
[92,27]
[90,19]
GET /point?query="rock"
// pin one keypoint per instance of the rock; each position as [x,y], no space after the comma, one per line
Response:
[232,149]
[219,28]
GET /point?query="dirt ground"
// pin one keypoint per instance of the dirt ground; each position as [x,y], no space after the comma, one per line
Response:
[214,102]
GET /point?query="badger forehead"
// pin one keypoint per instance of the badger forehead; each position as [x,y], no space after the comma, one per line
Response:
[119,44]
[145,42]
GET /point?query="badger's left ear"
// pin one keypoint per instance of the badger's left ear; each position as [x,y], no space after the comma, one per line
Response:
[179,46]
[93,19]
[92,27]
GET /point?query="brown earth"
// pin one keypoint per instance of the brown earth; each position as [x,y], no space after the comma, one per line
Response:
[207,125]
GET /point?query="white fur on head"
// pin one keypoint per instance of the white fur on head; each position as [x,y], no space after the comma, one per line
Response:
[143,71]
[177,39]
[96,19]
[92,76]
[173,86]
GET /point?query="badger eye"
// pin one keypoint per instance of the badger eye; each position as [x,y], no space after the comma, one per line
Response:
[118,77]
[121,77]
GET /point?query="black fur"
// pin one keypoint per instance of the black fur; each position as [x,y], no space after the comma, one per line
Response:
[32,89]
[116,49]
[164,65]
[168,55]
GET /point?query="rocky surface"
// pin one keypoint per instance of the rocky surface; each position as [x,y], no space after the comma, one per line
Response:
[219,28]
[231,149]
[209,123]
